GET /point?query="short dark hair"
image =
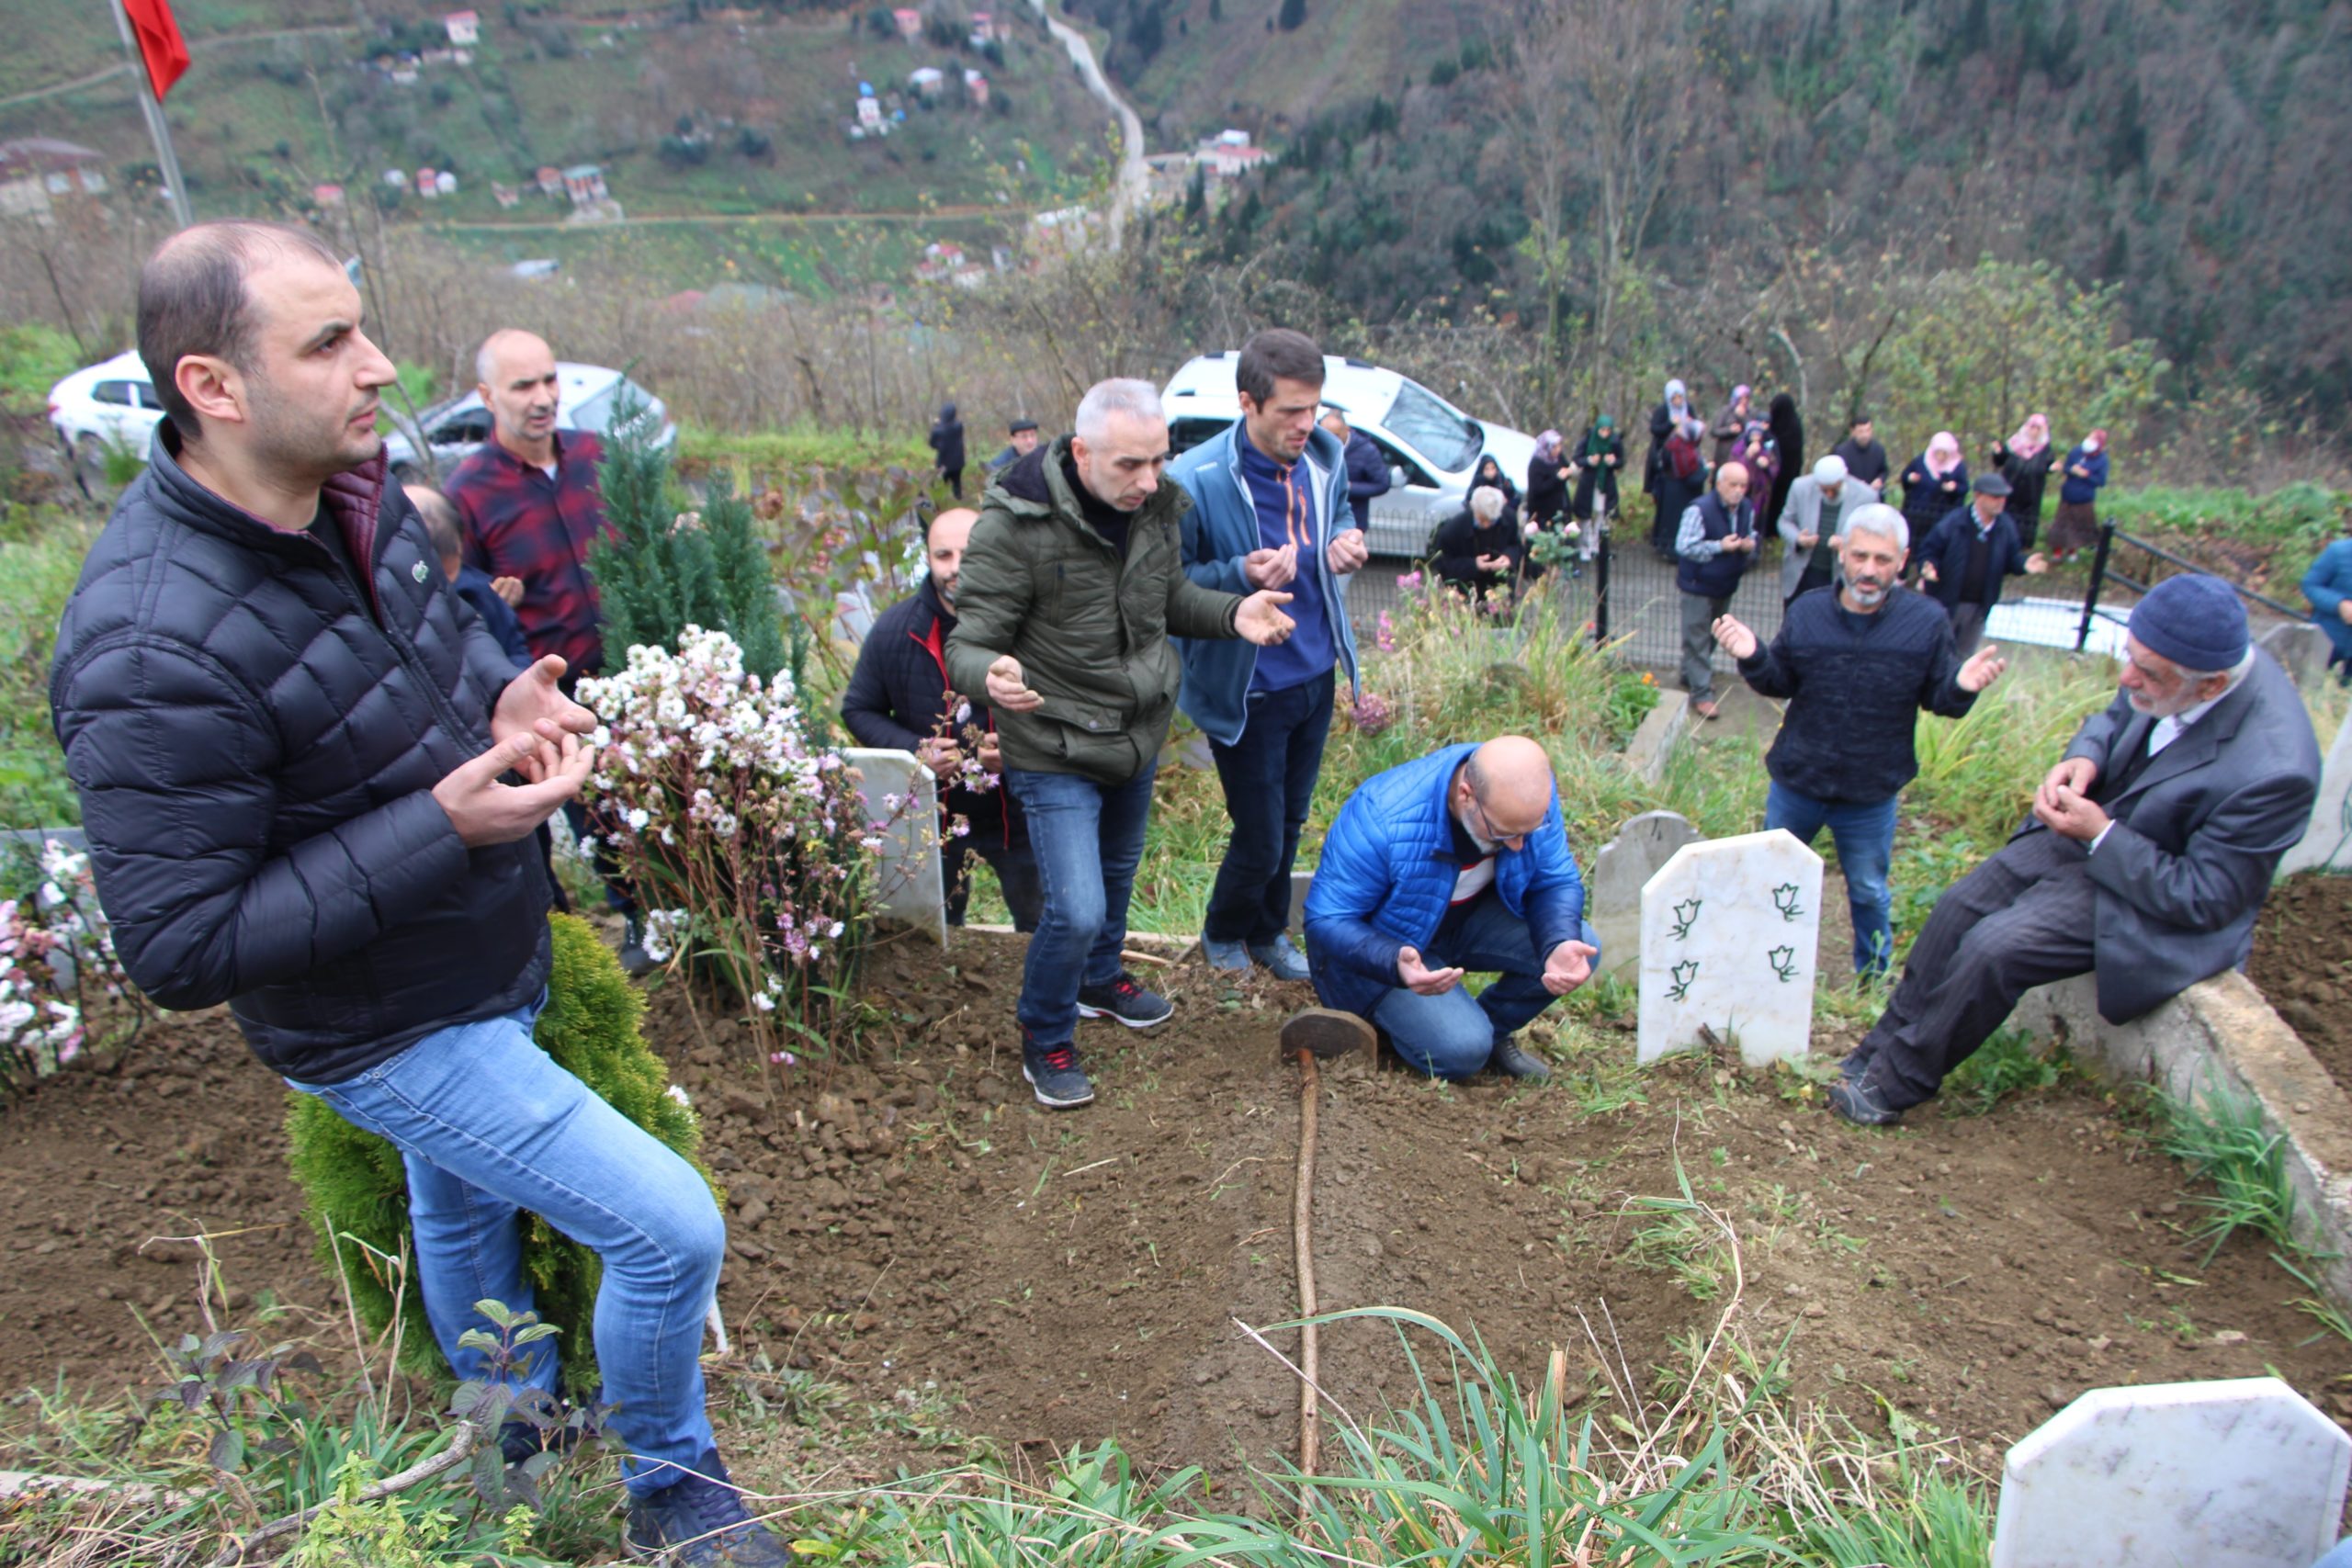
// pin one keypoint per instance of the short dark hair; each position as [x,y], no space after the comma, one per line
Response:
[1277,354]
[440,521]
[1858,419]
[192,299]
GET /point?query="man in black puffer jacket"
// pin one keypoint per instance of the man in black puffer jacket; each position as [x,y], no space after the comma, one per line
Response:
[289,736]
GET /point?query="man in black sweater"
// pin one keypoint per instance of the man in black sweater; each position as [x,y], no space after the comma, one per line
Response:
[1854,664]
[899,699]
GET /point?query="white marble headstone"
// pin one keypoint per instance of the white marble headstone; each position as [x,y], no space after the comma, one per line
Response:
[2238,1473]
[909,886]
[1729,933]
[2328,841]
[1612,899]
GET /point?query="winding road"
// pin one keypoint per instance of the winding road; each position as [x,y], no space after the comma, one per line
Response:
[1133,184]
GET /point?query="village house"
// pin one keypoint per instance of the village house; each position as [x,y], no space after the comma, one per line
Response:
[36,171]
[464,28]
[584,182]
[1230,155]
[976,88]
[910,22]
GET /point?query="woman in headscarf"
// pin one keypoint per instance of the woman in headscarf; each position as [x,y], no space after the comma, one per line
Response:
[1788,445]
[1934,483]
[1598,462]
[1548,473]
[1489,471]
[1760,457]
[1731,425]
[947,448]
[2024,460]
[2075,526]
[1662,476]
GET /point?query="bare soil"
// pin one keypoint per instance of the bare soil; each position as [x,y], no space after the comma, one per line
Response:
[2302,962]
[916,1232]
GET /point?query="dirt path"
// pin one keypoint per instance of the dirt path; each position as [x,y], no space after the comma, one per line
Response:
[1133,184]
[218,41]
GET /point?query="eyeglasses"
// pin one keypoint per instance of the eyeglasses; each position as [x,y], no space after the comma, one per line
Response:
[1488,831]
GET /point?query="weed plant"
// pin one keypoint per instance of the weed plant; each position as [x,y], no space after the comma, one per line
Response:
[2220,1136]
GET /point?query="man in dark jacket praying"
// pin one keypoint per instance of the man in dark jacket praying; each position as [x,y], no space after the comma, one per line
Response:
[898,698]
[292,752]
[1072,584]
[1856,663]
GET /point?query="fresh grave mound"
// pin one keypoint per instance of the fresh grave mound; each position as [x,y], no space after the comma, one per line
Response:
[916,1221]
[2302,964]
[914,1231]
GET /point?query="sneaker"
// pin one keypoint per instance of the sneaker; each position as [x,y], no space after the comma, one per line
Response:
[1125,1001]
[635,960]
[1857,1102]
[700,1522]
[1281,959]
[1230,956]
[1516,1061]
[1054,1073]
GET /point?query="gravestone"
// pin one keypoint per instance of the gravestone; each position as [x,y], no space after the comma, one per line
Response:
[2301,648]
[1729,933]
[909,886]
[2242,1472]
[2328,841]
[1612,898]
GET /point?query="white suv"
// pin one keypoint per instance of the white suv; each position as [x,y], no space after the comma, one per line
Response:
[1431,446]
[105,408]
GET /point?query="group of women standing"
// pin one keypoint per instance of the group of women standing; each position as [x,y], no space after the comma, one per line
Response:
[1685,450]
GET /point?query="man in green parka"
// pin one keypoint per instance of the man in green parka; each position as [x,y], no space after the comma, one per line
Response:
[1072,584]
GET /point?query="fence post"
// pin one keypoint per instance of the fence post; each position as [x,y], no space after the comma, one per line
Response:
[2098,578]
[1600,581]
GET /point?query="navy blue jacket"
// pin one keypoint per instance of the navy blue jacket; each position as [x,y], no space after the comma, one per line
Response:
[2326,585]
[1368,476]
[1947,544]
[2080,490]
[497,617]
[1717,574]
[255,736]
[898,696]
[1388,876]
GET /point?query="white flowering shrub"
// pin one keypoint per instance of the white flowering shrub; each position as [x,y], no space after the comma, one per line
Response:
[62,987]
[747,845]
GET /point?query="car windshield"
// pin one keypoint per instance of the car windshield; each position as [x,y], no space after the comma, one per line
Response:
[1418,418]
[624,396]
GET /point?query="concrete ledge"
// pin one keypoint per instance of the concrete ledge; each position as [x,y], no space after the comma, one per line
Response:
[2221,1035]
[1661,730]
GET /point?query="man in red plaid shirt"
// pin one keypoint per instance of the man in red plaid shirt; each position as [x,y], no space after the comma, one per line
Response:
[531,508]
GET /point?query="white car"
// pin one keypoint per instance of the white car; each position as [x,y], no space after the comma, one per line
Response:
[1432,447]
[105,408]
[591,397]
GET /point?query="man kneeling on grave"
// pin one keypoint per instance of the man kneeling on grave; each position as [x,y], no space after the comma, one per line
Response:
[1458,862]
[2146,859]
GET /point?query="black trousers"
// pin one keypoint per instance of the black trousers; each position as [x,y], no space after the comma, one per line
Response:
[1016,874]
[2021,919]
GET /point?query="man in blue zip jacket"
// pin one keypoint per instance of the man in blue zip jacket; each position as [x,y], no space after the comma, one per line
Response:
[1270,510]
[1456,862]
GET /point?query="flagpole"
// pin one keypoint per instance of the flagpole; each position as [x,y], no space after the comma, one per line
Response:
[142,89]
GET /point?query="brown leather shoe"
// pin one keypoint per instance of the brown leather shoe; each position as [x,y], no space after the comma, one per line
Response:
[1703,708]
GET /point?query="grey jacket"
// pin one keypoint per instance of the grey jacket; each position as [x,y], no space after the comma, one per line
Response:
[1807,513]
[2182,874]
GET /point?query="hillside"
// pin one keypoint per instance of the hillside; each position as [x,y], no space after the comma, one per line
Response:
[2177,150]
[737,114]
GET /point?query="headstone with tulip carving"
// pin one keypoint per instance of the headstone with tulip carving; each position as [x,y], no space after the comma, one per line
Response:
[1730,930]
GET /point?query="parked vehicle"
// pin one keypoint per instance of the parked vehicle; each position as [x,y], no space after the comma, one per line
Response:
[105,408]
[593,397]
[112,407]
[1432,447]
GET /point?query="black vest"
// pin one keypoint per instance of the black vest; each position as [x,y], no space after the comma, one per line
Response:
[1715,579]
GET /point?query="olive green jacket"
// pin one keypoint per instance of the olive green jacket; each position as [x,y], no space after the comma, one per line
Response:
[1090,630]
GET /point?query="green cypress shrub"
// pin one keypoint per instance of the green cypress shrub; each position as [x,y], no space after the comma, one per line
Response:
[355,1185]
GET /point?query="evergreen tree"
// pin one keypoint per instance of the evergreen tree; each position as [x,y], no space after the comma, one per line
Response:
[1293,16]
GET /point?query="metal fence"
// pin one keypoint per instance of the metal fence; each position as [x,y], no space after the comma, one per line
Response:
[2123,568]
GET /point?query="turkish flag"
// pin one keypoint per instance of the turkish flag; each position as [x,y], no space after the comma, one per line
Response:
[159,44]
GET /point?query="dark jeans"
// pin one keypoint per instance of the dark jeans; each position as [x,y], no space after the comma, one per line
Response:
[2021,919]
[1088,839]
[1865,838]
[1269,777]
[1016,872]
[1451,1035]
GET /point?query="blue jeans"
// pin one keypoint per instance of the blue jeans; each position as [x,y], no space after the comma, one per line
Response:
[1452,1036]
[1865,838]
[1269,778]
[1088,838]
[489,1125]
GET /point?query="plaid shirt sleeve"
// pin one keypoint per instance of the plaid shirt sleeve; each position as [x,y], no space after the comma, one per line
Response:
[521,522]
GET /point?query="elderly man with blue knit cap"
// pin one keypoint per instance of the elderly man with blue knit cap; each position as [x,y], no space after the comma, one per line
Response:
[2145,862]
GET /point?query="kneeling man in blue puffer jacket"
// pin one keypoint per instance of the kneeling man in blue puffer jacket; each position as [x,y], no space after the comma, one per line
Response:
[1457,862]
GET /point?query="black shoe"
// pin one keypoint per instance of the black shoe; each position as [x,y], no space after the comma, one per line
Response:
[635,960]
[1853,1066]
[1125,1001]
[701,1522]
[1516,1061]
[1857,1102]
[1054,1073]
